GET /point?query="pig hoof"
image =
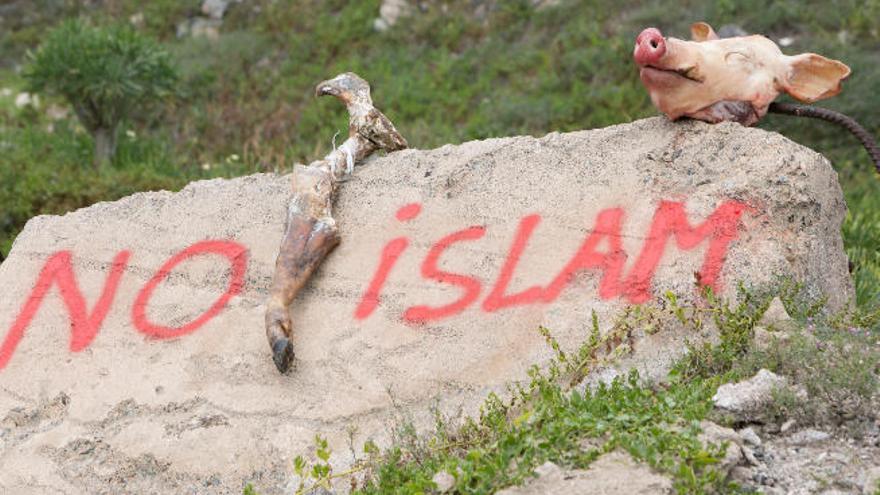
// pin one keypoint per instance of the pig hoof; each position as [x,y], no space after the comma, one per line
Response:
[282,354]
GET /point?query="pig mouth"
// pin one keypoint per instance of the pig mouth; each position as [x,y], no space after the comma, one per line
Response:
[689,73]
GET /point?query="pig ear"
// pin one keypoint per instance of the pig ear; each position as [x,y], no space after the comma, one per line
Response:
[701,31]
[814,77]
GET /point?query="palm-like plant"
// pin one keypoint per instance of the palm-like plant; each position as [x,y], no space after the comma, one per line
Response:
[105,73]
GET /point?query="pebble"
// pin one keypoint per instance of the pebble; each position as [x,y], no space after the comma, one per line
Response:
[750,437]
[808,436]
[444,481]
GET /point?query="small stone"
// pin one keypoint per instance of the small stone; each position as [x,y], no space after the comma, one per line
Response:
[808,436]
[215,8]
[205,28]
[717,434]
[750,437]
[750,456]
[786,426]
[777,318]
[26,99]
[747,398]
[444,481]
[380,25]
[390,12]
[137,20]
[763,479]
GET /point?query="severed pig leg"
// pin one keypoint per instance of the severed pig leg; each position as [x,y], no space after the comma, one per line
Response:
[310,232]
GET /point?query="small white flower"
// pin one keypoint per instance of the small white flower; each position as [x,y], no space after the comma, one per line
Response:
[26,99]
[131,134]
[206,166]
[786,41]
[233,158]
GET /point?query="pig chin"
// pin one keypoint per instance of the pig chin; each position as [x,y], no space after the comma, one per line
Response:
[669,91]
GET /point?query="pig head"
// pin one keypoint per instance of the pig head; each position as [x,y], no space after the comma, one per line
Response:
[736,79]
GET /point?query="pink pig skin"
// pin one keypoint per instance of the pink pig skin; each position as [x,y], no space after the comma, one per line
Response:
[736,79]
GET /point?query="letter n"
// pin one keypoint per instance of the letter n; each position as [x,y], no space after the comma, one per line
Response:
[83,325]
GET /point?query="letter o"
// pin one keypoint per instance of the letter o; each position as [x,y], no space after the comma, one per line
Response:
[233,251]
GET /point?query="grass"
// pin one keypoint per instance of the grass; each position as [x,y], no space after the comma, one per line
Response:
[551,418]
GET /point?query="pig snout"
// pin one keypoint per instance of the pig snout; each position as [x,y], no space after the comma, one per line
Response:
[650,47]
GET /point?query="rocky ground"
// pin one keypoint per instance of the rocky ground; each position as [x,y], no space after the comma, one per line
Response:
[766,459]
[771,456]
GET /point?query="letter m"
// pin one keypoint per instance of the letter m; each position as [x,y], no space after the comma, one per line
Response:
[83,325]
[670,220]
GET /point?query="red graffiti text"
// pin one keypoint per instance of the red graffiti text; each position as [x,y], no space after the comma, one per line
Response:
[84,324]
[670,222]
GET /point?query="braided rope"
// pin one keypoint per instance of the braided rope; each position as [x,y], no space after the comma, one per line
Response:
[837,118]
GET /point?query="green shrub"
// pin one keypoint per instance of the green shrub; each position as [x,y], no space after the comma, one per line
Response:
[104,74]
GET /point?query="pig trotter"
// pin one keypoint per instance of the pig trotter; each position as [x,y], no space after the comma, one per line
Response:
[310,232]
[838,118]
[277,331]
[282,354]
[307,241]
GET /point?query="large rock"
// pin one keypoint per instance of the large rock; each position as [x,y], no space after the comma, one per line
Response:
[165,400]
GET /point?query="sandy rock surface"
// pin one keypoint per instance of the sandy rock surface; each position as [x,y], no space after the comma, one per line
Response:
[615,473]
[144,407]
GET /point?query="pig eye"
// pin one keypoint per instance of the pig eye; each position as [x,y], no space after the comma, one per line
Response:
[733,56]
[740,59]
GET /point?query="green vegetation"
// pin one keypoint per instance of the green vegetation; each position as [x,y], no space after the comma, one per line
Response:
[104,74]
[552,418]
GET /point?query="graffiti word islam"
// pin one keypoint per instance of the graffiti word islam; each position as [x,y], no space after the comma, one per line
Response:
[670,221]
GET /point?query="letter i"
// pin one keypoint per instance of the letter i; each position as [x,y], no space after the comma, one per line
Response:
[390,254]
